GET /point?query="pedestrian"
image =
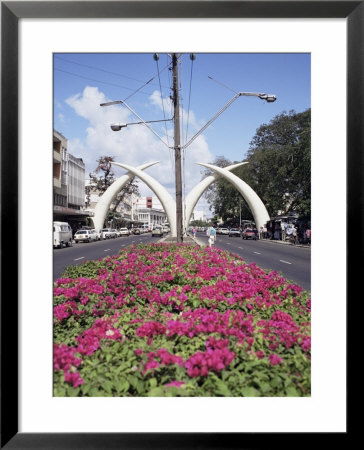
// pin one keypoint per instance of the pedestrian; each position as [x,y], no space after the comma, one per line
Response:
[308,235]
[283,230]
[194,232]
[212,236]
[264,232]
[261,233]
[294,234]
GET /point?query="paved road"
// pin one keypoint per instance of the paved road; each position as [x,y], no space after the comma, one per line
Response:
[293,262]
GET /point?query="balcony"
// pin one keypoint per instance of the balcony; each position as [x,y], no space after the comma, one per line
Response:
[56,156]
[57,183]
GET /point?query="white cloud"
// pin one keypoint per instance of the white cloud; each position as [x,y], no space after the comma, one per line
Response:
[134,145]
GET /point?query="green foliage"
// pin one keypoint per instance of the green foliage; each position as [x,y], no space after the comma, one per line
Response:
[89,269]
[279,170]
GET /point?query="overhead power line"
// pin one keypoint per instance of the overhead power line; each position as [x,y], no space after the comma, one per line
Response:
[101,70]
[99,81]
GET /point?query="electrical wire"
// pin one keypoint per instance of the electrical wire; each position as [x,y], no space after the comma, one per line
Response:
[100,70]
[160,88]
[99,81]
[189,100]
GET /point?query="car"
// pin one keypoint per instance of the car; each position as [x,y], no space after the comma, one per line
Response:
[234,232]
[124,232]
[98,234]
[224,231]
[62,234]
[248,233]
[108,233]
[157,231]
[136,231]
[85,236]
[165,230]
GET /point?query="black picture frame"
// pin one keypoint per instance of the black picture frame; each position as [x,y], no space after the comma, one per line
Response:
[11,12]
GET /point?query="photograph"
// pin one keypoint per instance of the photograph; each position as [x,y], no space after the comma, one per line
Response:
[165,299]
[182,224]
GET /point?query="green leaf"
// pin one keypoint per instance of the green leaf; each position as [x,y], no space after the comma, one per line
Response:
[291,391]
[107,386]
[250,392]
[156,392]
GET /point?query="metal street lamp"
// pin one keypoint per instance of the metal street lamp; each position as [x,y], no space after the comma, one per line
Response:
[119,126]
[270,98]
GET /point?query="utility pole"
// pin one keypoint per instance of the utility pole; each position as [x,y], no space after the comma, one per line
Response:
[177,150]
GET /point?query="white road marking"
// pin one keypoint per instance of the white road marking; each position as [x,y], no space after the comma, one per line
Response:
[286,262]
[107,249]
[82,257]
[257,253]
[241,248]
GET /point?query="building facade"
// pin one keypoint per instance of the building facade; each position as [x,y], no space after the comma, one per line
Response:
[68,184]
[150,217]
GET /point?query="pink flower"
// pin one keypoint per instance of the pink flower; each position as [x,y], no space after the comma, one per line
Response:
[274,359]
[73,378]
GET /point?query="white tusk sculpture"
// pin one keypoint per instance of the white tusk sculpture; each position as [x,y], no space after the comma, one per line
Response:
[163,195]
[260,214]
[106,199]
[195,193]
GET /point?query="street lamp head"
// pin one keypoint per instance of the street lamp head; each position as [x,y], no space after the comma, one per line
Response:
[270,98]
[118,126]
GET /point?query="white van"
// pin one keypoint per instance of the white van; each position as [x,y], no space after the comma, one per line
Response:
[62,234]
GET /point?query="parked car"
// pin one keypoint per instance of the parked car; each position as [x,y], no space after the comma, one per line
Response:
[248,233]
[98,234]
[234,232]
[62,234]
[85,236]
[157,231]
[124,232]
[136,231]
[108,233]
[224,231]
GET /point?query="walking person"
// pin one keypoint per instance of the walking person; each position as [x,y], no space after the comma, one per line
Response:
[294,234]
[308,235]
[194,232]
[255,233]
[261,233]
[212,236]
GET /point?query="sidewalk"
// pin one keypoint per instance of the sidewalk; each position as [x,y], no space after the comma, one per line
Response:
[276,241]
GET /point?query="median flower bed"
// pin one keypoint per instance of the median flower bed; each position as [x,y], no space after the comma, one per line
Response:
[178,320]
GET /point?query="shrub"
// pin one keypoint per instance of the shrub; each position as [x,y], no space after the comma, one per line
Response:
[177,320]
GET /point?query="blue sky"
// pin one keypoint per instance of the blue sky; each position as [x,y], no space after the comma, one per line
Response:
[83,81]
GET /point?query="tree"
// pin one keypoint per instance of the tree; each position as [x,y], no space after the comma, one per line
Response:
[279,170]
[224,198]
[100,183]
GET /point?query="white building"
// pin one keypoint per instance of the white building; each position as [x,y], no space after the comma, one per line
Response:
[199,215]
